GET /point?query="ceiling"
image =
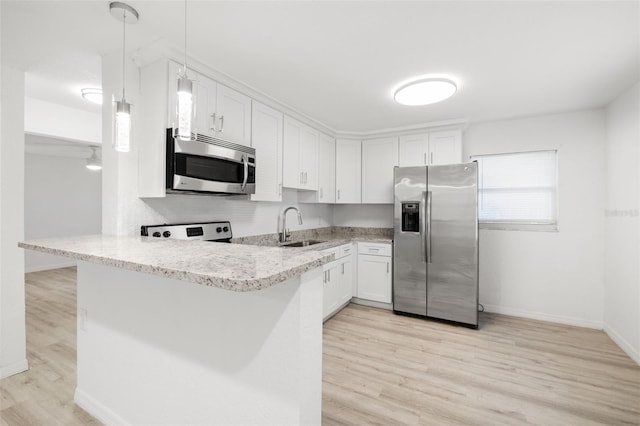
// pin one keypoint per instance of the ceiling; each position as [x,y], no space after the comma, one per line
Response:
[339,61]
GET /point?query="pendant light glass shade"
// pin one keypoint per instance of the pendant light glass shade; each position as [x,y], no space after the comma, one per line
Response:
[121,109]
[122,126]
[186,111]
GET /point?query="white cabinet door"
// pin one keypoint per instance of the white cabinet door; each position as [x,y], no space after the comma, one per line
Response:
[379,157]
[205,102]
[233,115]
[346,280]
[266,138]
[413,150]
[445,147]
[348,171]
[309,158]
[326,169]
[292,176]
[374,278]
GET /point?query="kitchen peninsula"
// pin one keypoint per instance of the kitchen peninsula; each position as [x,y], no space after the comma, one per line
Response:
[196,332]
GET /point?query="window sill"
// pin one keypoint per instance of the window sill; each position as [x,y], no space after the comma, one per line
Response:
[531,227]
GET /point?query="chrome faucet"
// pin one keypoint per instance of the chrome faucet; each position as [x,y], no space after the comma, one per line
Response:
[285,235]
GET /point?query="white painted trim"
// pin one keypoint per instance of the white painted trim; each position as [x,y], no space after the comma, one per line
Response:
[15,368]
[96,409]
[62,264]
[372,303]
[622,343]
[578,322]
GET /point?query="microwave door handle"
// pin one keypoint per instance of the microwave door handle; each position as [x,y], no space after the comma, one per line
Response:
[245,160]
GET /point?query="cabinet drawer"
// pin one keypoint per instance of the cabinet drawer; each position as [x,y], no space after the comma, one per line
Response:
[376,249]
[334,250]
[346,250]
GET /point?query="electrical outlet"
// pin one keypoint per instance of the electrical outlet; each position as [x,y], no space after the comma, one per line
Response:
[82,319]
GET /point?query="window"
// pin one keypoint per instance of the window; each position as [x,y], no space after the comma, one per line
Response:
[517,191]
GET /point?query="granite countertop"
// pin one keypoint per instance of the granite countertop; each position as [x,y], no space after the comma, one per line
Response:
[235,267]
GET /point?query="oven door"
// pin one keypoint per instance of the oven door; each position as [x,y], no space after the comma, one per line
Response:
[205,167]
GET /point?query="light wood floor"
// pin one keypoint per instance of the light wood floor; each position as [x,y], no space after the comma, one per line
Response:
[379,368]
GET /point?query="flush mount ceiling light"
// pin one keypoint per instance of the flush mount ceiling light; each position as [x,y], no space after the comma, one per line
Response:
[425,91]
[93,162]
[92,95]
[122,110]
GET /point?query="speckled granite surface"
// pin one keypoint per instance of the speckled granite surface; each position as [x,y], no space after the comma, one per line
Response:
[333,235]
[234,267]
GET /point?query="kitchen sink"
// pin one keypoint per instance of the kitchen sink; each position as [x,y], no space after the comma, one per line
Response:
[302,243]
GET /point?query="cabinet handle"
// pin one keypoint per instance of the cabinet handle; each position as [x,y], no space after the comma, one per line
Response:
[431,157]
[280,190]
[321,193]
[343,269]
[387,267]
[221,123]
[338,194]
[213,121]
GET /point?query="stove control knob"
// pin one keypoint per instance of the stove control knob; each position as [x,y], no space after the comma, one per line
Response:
[225,229]
[156,234]
[218,229]
[166,234]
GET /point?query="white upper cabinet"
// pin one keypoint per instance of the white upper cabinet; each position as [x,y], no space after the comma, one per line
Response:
[221,112]
[233,115]
[445,147]
[300,159]
[326,169]
[266,138]
[348,171]
[413,150]
[379,157]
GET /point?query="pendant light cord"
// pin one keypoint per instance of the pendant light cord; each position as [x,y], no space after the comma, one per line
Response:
[124,35]
[185,38]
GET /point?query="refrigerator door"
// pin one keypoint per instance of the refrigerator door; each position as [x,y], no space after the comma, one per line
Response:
[409,242]
[452,243]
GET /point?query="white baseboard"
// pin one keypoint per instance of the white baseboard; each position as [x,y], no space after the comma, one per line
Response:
[15,368]
[372,303]
[579,322]
[37,268]
[96,409]
[633,353]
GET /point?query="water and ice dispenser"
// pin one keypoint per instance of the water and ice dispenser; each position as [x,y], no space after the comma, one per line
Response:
[411,217]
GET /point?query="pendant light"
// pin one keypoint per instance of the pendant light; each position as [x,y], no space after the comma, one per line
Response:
[185,97]
[93,162]
[122,109]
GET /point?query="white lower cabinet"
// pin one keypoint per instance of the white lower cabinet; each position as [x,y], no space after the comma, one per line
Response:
[337,281]
[374,272]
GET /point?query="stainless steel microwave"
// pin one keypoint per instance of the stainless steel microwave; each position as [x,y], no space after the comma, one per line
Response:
[209,165]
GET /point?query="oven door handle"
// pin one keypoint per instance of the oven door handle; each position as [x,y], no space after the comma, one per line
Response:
[245,160]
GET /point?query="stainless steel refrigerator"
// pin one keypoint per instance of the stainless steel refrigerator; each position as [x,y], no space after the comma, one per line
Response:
[435,242]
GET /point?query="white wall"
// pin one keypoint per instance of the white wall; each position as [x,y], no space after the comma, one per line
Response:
[62,198]
[12,309]
[556,276]
[367,215]
[622,258]
[55,120]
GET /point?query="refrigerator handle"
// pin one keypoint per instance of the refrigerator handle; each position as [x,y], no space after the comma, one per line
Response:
[423,236]
[429,195]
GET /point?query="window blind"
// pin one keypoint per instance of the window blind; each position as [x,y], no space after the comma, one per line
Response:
[517,188]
